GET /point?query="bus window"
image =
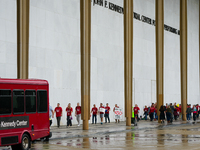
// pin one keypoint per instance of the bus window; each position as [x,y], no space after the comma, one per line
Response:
[5,102]
[30,96]
[42,101]
[18,101]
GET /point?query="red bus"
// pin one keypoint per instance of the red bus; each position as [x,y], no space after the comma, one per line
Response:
[24,112]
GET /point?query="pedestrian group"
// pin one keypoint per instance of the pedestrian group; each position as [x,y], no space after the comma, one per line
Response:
[102,111]
[169,111]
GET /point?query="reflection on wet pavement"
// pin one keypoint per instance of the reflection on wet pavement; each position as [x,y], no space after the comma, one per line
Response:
[173,138]
[184,137]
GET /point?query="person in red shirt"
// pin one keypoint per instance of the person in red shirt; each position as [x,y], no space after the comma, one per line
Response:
[114,112]
[136,111]
[151,112]
[69,111]
[58,111]
[197,106]
[180,111]
[107,109]
[94,114]
[194,110]
[78,113]
[145,112]
[101,112]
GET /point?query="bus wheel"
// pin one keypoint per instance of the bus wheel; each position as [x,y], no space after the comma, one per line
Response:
[25,143]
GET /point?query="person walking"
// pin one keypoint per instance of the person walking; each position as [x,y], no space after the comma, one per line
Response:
[136,111]
[172,111]
[101,112]
[168,114]
[155,112]
[197,106]
[175,112]
[194,110]
[151,112]
[114,112]
[145,112]
[58,111]
[162,114]
[94,114]
[188,112]
[69,111]
[174,105]
[198,109]
[51,114]
[107,109]
[180,112]
[78,114]
[166,106]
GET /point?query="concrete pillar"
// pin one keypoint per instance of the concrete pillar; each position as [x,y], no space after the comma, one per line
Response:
[159,53]
[85,31]
[128,58]
[22,38]
[183,55]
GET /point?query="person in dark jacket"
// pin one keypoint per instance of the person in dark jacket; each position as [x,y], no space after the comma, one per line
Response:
[146,112]
[172,111]
[188,112]
[168,114]
[162,113]
[175,112]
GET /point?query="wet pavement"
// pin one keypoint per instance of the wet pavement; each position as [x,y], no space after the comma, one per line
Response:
[147,135]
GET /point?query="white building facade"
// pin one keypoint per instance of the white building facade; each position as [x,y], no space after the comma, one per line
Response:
[54,50]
